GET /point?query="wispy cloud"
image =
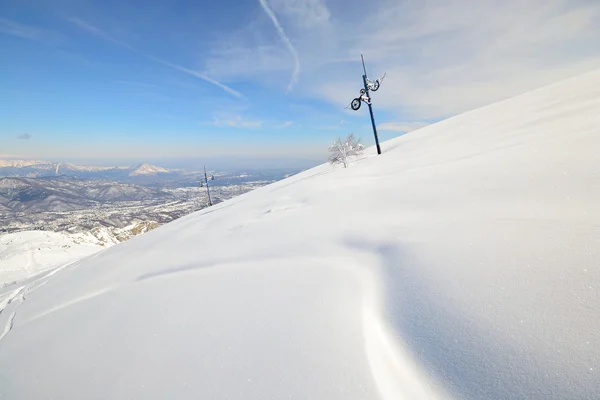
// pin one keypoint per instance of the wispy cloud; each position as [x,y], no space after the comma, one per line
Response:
[402,126]
[331,127]
[19,30]
[24,136]
[196,74]
[284,125]
[102,34]
[236,121]
[29,32]
[305,13]
[286,41]
[328,128]
[442,57]
[99,32]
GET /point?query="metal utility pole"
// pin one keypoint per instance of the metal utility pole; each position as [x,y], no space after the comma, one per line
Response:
[212,178]
[370,106]
[364,97]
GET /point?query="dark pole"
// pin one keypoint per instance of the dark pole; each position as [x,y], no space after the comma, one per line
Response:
[363,61]
[370,107]
[207,189]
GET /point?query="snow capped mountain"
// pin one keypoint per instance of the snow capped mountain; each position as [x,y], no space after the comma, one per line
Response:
[460,264]
[33,169]
[19,163]
[49,165]
[147,169]
[68,167]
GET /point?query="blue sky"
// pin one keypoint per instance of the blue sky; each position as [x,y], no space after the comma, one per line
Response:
[152,80]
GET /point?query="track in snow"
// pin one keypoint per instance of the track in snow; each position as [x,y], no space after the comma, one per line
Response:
[12,299]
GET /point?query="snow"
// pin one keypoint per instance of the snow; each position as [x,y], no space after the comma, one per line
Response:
[462,263]
[147,169]
[19,163]
[141,169]
[27,253]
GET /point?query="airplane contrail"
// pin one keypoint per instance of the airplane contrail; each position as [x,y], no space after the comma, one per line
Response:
[100,33]
[286,41]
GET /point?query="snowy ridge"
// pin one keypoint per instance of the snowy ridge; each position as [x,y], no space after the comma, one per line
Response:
[19,163]
[462,263]
[25,254]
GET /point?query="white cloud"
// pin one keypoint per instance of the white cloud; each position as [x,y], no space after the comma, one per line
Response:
[238,57]
[28,32]
[100,33]
[286,41]
[197,75]
[305,13]
[446,57]
[401,126]
[236,121]
[442,57]
[253,53]
[331,127]
[286,124]
[19,30]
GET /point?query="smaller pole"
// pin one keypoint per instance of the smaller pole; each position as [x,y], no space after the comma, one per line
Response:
[207,189]
[363,61]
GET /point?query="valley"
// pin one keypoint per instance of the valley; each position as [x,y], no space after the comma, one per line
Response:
[48,221]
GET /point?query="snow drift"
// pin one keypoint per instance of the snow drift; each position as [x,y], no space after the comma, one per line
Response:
[462,263]
[28,253]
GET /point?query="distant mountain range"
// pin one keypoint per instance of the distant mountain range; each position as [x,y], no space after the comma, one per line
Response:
[64,193]
[39,169]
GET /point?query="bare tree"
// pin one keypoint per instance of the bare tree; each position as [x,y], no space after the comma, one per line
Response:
[343,149]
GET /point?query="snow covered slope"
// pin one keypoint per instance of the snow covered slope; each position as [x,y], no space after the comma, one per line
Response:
[24,254]
[27,253]
[462,263]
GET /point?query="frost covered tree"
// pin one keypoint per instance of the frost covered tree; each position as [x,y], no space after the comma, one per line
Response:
[343,149]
